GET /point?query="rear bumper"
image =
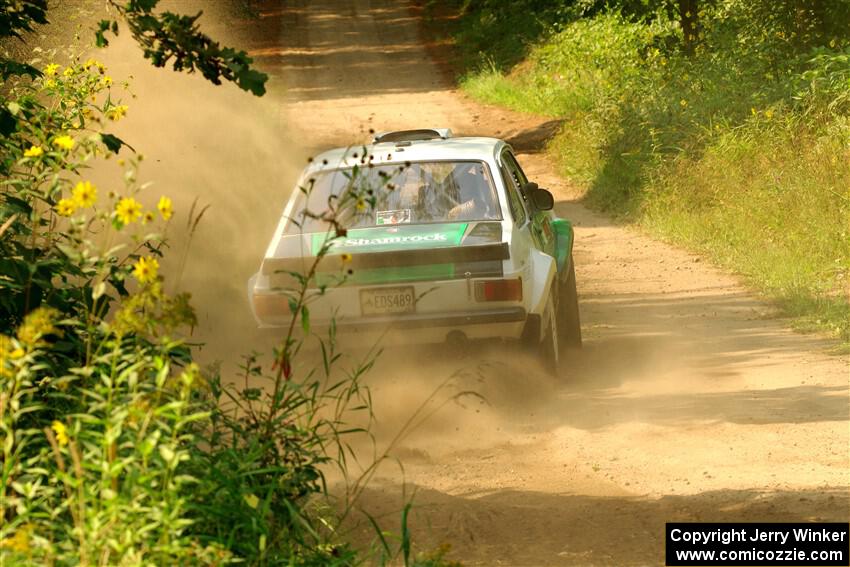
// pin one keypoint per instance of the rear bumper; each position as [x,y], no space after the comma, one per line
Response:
[508,323]
[489,317]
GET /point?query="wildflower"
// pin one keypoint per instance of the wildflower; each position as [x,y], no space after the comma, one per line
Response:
[37,324]
[93,63]
[64,142]
[145,270]
[360,205]
[33,151]
[128,210]
[165,207]
[6,349]
[19,542]
[106,81]
[753,111]
[84,194]
[252,501]
[116,112]
[768,113]
[148,217]
[49,84]
[51,69]
[346,258]
[68,72]
[61,433]
[65,207]
[683,103]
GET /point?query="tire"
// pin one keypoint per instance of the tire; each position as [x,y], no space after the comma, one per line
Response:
[550,344]
[569,323]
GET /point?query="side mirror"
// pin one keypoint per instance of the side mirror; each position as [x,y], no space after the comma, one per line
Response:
[542,200]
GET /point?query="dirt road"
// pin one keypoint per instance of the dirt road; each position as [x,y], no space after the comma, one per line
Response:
[690,401]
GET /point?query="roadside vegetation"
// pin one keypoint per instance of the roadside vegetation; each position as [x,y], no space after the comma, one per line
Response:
[117,448]
[723,126]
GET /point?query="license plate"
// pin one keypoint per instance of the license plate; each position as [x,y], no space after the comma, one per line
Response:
[387,300]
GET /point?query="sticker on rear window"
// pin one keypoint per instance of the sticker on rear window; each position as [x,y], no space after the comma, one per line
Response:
[392,217]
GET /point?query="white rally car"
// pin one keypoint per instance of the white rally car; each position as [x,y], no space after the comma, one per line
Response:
[456,244]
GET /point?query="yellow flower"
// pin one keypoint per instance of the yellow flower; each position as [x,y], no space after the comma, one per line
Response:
[65,142]
[252,500]
[683,103]
[128,210]
[51,69]
[33,151]
[148,217]
[66,207]
[84,194]
[146,269]
[346,258]
[61,433]
[37,324]
[69,71]
[49,84]
[360,205]
[768,113]
[6,349]
[753,111]
[19,542]
[165,207]
[106,81]
[93,63]
[116,112]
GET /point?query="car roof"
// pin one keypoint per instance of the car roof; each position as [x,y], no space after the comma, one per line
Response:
[438,149]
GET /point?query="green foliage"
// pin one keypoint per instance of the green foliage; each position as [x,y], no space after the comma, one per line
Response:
[93,411]
[165,38]
[738,148]
[172,38]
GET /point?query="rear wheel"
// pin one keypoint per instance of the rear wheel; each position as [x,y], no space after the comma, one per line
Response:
[569,323]
[550,346]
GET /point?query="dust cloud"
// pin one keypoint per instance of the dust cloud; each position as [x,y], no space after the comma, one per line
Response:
[225,148]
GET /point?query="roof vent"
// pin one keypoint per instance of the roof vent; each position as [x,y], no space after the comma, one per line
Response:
[413,135]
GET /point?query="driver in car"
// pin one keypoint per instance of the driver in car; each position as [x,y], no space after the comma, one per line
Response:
[472,188]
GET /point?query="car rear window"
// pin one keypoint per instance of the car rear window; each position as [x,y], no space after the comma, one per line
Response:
[423,192]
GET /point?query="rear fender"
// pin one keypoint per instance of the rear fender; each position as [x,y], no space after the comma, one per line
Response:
[543,272]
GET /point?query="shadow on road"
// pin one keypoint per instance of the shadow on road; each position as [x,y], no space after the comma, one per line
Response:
[520,528]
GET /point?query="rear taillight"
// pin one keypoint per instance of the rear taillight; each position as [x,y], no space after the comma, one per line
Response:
[498,290]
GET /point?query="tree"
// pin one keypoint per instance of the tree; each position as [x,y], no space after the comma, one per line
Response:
[689,21]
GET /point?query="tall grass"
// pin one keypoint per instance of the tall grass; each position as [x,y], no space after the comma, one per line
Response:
[739,151]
